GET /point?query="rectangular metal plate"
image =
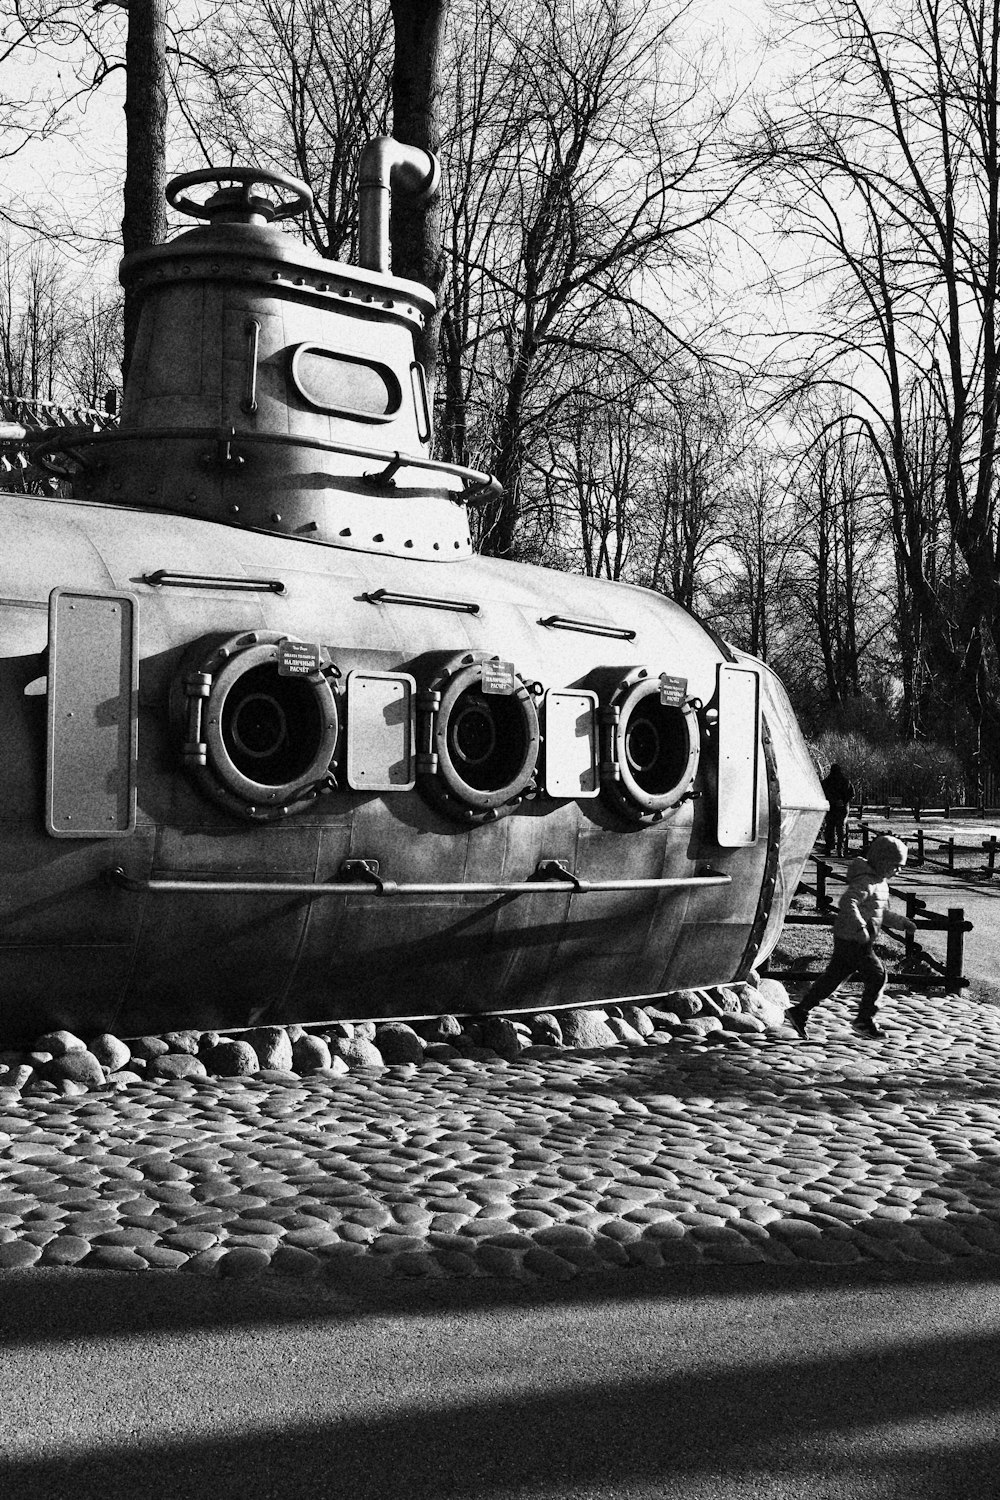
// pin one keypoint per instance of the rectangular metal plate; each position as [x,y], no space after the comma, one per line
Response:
[571,745]
[739,735]
[380,731]
[93,682]
[673,690]
[297,659]
[498,679]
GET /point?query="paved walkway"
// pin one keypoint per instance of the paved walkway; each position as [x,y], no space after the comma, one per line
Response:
[834,1151]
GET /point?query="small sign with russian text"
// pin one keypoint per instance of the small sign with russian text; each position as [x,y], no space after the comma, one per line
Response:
[498,678]
[673,691]
[297,658]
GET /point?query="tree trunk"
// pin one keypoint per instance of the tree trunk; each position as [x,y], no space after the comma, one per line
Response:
[144,221]
[415,227]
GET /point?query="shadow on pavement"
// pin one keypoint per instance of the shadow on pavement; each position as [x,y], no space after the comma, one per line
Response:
[912,1418]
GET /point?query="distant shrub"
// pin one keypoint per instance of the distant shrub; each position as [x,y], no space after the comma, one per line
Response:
[926,774]
[919,773]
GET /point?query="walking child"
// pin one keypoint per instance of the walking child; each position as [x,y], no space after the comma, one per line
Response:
[861,913]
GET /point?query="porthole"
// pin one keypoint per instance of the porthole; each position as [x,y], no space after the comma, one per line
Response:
[651,757]
[259,736]
[345,384]
[480,728]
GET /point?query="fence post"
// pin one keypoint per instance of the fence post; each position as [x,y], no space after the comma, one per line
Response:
[954,959]
[864,838]
[918,834]
[990,846]
[913,905]
[951,854]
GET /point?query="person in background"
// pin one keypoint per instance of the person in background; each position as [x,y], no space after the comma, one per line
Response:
[839,792]
[862,912]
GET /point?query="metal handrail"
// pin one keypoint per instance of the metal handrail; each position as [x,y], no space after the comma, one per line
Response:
[164,578]
[476,485]
[374,884]
[588,627]
[426,601]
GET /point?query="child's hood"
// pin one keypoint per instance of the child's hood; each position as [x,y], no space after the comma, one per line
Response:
[859,869]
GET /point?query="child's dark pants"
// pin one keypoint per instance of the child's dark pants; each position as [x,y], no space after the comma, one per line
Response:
[849,958]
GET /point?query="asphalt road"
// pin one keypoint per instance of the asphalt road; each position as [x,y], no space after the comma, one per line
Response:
[725,1383]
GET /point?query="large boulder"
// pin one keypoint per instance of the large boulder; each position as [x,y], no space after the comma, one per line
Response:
[702,1025]
[177,1065]
[682,1003]
[76,1066]
[183,1041]
[586,1028]
[272,1047]
[625,1032]
[399,1043]
[662,1020]
[743,1025]
[110,1051]
[769,1003]
[58,1043]
[545,1029]
[148,1047]
[309,1053]
[635,1016]
[358,1052]
[441,1029]
[726,999]
[503,1037]
[232,1059]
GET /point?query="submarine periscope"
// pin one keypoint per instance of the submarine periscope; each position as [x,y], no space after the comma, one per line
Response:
[280,746]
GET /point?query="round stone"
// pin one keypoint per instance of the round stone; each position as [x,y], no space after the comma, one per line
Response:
[183,1041]
[145,1048]
[586,1028]
[58,1043]
[243,1260]
[110,1051]
[357,1052]
[15,1253]
[398,1043]
[177,1065]
[76,1066]
[272,1047]
[310,1053]
[232,1059]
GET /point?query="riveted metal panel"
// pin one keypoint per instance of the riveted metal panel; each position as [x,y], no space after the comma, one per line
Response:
[93,691]
[739,735]
[380,731]
[571,749]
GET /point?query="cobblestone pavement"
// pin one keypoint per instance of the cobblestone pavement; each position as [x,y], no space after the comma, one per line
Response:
[833,1151]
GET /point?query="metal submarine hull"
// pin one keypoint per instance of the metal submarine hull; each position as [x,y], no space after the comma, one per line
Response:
[79,950]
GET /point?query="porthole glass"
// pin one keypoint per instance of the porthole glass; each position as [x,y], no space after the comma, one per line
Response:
[271,726]
[344,384]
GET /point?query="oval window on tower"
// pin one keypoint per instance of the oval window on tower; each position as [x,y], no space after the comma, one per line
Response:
[345,385]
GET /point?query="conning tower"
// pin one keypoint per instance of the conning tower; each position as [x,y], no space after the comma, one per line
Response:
[274,390]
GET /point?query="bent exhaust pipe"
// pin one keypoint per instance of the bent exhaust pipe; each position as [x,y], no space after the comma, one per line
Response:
[385,164]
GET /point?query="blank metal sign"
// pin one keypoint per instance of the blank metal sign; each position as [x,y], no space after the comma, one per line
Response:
[92,690]
[380,731]
[571,744]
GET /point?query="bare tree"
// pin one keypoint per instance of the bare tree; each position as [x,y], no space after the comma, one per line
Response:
[886,160]
[583,161]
